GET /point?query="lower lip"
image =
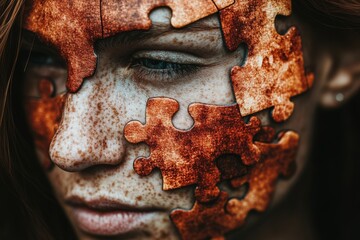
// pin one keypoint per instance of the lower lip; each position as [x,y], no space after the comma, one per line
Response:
[110,223]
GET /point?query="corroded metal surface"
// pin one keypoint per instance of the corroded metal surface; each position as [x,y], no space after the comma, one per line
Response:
[274,69]
[71,27]
[188,157]
[44,115]
[214,219]
[119,16]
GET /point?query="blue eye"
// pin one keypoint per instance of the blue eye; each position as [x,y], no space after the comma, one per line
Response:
[156,70]
[159,64]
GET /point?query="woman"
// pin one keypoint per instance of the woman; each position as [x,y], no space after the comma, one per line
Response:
[93,176]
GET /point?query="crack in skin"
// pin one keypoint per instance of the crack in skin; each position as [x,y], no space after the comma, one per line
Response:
[272,74]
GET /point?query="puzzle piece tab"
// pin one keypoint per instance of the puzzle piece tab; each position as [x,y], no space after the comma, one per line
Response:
[213,220]
[274,68]
[188,157]
[119,16]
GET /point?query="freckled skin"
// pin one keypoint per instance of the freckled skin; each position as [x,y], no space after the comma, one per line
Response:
[92,158]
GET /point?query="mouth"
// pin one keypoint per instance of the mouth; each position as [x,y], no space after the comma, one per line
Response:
[106,217]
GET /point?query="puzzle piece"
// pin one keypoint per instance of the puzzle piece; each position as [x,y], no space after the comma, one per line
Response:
[44,115]
[71,27]
[214,219]
[188,157]
[119,16]
[274,69]
[204,220]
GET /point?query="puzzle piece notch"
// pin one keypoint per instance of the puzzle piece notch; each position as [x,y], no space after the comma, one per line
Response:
[188,157]
[213,220]
[118,16]
[74,42]
[274,69]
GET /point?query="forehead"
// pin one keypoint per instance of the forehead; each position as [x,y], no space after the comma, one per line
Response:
[73,26]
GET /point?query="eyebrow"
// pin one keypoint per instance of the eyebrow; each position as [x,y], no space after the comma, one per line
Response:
[157,29]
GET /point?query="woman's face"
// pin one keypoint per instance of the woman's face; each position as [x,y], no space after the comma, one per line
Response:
[93,176]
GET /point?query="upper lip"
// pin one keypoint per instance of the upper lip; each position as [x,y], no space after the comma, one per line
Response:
[107,205]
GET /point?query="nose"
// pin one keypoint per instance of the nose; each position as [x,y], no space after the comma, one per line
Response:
[90,132]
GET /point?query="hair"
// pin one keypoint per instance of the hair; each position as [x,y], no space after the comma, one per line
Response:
[28,207]
[26,191]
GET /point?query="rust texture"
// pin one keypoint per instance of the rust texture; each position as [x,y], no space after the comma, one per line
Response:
[214,219]
[44,115]
[92,20]
[71,27]
[188,157]
[274,68]
[118,16]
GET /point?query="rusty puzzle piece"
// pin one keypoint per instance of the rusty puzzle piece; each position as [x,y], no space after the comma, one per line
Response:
[93,20]
[50,20]
[119,16]
[214,219]
[188,157]
[274,68]
[44,115]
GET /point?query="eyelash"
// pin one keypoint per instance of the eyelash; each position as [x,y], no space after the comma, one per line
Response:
[155,70]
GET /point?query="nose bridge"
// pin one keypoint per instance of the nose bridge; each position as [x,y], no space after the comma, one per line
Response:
[90,132]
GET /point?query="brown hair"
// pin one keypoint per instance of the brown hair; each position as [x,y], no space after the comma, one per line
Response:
[340,14]
[28,207]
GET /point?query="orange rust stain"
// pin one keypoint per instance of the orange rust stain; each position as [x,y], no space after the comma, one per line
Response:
[71,27]
[274,69]
[215,219]
[118,16]
[44,115]
[188,157]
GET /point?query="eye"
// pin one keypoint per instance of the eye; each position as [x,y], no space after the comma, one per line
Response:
[160,65]
[40,67]
[164,66]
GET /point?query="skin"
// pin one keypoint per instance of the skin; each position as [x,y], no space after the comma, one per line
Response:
[93,160]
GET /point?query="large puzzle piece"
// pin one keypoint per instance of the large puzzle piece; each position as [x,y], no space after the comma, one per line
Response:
[188,157]
[44,115]
[274,68]
[72,26]
[214,219]
[119,16]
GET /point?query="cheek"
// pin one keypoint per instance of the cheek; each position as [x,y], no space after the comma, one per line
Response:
[43,116]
